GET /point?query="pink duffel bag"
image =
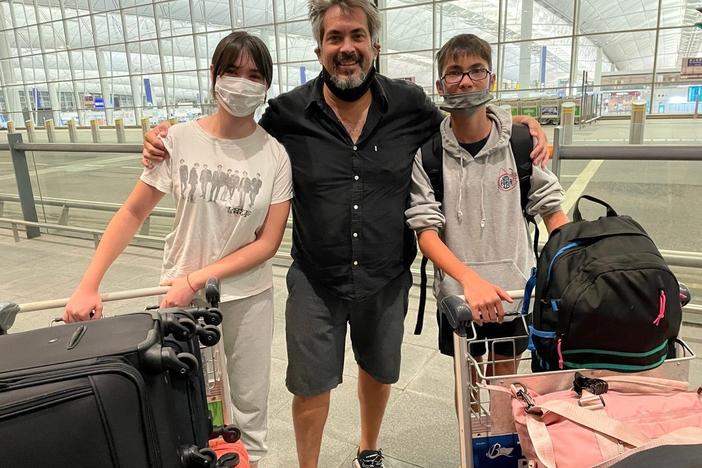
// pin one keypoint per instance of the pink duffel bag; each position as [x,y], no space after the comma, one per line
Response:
[565,430]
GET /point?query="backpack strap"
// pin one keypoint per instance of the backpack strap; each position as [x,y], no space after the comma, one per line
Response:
[522,144]
[432,162]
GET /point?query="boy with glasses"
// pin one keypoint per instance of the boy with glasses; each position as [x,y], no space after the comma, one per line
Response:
[477,236]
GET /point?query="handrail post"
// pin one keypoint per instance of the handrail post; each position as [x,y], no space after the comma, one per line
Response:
[29,126]
[556,157]
[95,130]
[50,130]
[119,128]
[568,121]
[72,132]
[638,121]
[24,184]
[145,126]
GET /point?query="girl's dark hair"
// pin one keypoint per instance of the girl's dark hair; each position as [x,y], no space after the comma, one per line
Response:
[230,49]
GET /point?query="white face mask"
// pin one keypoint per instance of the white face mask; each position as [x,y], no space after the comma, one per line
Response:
[239,96]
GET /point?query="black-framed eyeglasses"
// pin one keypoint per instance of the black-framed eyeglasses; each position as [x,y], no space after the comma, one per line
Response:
[456,76]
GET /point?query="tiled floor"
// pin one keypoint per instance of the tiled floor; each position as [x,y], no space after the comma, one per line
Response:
[420,425]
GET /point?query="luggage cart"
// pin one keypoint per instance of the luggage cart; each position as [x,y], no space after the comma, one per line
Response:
[197,324]
[213,358]
[488,438]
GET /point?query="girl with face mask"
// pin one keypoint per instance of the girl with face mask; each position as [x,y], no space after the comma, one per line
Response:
[229,237]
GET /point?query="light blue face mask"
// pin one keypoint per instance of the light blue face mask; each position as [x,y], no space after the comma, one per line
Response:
[466,103]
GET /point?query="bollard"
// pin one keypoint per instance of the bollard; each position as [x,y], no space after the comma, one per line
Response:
[29,125]
[145,127]
[119,127]
[10,126]
[72,131]
[568,122]
[638,121]
[95,130]
[50,130]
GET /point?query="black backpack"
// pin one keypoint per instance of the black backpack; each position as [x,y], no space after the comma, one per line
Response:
[432,162]
[605,298]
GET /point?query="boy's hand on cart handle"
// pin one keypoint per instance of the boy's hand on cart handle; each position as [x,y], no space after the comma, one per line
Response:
[485,300]
[83,305]
[180,294]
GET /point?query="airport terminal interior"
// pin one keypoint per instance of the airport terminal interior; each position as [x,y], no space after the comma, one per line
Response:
[625,72]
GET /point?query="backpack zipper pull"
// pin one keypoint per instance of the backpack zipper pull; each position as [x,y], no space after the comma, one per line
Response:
[661,308]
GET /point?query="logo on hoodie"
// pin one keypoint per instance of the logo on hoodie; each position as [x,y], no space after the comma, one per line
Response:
[507,179]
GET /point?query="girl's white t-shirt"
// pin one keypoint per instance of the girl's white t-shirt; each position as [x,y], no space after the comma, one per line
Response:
[222,190]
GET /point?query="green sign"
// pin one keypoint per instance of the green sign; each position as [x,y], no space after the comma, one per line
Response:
[217,411]
[531,111]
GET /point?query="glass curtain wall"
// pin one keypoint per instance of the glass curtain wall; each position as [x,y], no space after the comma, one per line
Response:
[136,59]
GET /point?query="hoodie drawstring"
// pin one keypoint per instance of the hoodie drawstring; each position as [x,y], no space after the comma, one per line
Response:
[459,213]
[482,198]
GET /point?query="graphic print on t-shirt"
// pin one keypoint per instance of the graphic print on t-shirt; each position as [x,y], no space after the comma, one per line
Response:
[234,188]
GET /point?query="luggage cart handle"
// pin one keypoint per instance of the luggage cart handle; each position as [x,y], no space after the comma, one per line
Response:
[106,297]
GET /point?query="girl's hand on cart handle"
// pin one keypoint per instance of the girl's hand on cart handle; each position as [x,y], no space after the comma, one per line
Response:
[83,305]
[180,294]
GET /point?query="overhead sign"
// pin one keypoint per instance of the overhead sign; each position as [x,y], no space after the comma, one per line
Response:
[147,92]
[691,66]
[99,103]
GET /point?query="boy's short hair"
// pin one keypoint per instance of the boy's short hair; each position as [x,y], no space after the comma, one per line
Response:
[463,45]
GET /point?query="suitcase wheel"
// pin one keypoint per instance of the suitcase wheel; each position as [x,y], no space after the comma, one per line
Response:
[228,460]
[230,434]
[211,315]
[209,335]
[194,457]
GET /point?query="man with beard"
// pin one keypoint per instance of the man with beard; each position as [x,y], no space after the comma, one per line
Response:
[351,135]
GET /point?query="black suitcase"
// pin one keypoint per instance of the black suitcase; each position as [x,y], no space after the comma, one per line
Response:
[104,393]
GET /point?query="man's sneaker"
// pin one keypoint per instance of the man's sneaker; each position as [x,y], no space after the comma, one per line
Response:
[369,459]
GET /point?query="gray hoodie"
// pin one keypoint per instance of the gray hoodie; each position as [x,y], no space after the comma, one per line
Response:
[481,219]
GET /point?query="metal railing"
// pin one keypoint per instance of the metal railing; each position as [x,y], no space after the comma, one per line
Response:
[619,152]
[32,226]
[18,154]
[66,204]
[280,258]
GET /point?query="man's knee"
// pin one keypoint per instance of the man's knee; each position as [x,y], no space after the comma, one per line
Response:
[310,402]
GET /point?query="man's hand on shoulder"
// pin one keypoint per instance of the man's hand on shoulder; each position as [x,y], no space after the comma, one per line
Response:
[154,150]
[539,155]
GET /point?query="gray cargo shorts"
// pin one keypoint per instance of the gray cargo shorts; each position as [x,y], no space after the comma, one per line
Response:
[315,330]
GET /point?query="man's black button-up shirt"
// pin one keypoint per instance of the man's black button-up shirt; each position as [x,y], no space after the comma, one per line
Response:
[349,231]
